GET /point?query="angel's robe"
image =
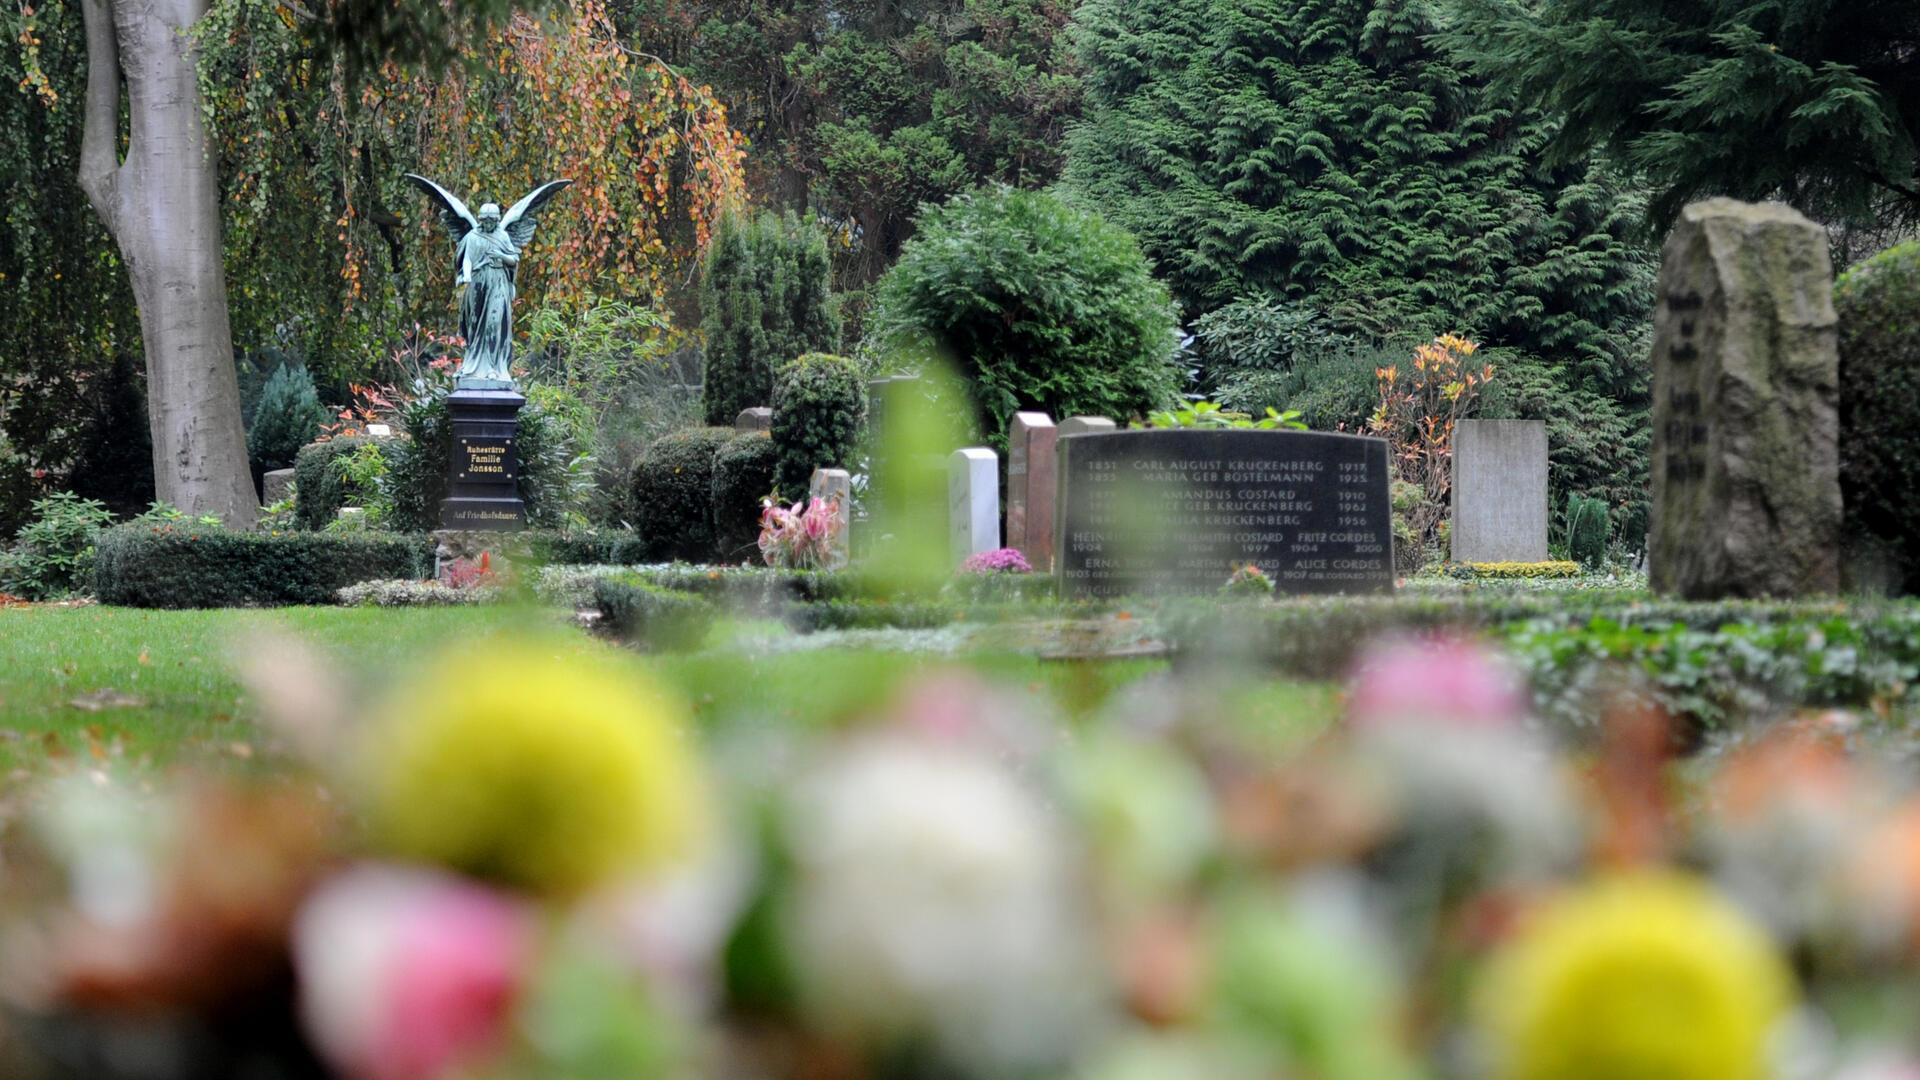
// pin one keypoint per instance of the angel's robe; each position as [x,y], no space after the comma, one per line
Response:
[486,311]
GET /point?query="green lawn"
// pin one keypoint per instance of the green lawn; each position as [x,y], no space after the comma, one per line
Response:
[151,687]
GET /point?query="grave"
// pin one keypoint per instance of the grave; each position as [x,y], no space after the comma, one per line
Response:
[836,484]
[759,418]
[275,486]
[1176,510]
[1746,479]
[1500,491]
[1030,487]
[973,501]
[483,490]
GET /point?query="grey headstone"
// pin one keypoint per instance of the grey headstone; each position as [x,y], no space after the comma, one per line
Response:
[1086,425]
[973,501]
[1031,475]
[758,418]
[275,486]
[1500,491]
[836,484]
[1178,509]
[1746,478]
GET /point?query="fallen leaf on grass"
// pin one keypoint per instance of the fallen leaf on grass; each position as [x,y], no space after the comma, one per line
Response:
[107,698]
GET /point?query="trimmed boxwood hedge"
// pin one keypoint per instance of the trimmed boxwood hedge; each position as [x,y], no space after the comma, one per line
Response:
[181,565]
[819,409]
[742,476]
[318,493]
[673,494]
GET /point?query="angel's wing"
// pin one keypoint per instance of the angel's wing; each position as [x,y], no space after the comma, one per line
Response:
[453,213]
[524,215]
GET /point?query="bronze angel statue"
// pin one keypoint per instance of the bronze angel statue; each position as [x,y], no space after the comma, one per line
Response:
[488,250]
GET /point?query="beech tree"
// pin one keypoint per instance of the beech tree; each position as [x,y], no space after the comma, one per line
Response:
[156,186]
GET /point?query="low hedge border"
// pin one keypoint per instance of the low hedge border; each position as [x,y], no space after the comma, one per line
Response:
[406,592]
[1497,571]
[185,565]
[651,617]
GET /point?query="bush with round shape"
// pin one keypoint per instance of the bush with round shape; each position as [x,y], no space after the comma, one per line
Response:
[1878,301]
[819,410]
[1038,303]
[743,474]
[673,494]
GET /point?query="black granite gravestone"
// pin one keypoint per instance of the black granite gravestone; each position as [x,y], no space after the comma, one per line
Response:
[1176,510]
[483,489]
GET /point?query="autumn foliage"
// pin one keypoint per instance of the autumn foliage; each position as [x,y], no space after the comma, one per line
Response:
[1418,410]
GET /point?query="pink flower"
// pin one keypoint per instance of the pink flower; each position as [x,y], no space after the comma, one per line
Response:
[1445,683]
[1001,561]
[405,974]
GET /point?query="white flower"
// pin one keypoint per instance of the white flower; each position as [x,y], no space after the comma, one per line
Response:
[934,899]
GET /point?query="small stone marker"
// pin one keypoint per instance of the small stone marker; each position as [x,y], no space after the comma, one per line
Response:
[1500,491]
[836,484]
[1746,478]
[275,486]
[1087,425]
[973,501]
[1176,510]
[1031,472]
[759,418]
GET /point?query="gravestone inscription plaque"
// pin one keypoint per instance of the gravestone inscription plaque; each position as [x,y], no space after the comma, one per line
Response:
[483,490]
[1177,510]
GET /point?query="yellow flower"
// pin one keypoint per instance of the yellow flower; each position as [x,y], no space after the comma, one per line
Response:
[1633,977]
[550,773]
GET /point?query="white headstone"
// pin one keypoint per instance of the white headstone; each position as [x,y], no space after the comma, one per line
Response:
[1499,491]
[973,501]
[836,484]
[759,418]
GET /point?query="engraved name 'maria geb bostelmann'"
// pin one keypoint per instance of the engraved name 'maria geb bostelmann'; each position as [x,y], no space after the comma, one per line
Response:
[483,490]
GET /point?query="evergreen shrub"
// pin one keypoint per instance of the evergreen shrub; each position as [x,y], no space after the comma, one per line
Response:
[673,494]
[1586,530]
[819,410]
[743,474]
[764,301]
[1038,303]
[288,417]
[187,565]
[53,555]
[319,488]
[1878,301]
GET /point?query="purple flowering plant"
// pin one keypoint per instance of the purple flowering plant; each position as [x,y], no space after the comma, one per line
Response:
[1000,561]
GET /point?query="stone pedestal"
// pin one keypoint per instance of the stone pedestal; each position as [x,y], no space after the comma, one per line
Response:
[1087,425]
[483,479]
[1746,477]
[1500,491]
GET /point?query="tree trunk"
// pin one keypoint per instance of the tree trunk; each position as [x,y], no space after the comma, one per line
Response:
[162,205]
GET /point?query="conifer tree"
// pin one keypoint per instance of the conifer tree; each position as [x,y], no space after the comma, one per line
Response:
[764,301]
[1322,151]
[1815,102]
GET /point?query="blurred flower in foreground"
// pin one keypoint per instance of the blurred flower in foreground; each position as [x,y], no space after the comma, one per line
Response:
[932,903]
[1635,977]
[405,974]
[546,772]
[1452,683]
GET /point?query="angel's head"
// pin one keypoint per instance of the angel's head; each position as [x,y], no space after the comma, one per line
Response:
[489,217]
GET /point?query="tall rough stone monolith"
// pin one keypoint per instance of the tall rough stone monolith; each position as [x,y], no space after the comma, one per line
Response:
[1746,482]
